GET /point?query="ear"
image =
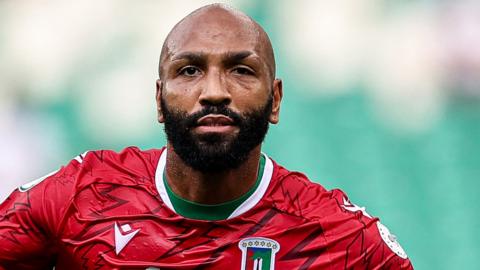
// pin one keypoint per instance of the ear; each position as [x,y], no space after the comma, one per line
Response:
[158,96]
[277,99]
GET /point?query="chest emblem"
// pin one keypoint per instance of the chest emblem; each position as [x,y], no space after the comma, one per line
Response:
[258,253]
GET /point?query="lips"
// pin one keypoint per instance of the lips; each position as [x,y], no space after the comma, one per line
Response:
[215,120]
[215,123]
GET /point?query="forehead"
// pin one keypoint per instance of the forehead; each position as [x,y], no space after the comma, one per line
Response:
[214,34]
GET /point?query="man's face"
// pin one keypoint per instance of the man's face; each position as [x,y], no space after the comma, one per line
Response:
[217,94]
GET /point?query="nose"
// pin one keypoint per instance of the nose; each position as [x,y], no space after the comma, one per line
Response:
[215,90]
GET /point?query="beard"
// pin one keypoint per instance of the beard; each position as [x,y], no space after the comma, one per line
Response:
[213,152]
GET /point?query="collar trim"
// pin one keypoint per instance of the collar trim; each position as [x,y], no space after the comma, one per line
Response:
[248,204]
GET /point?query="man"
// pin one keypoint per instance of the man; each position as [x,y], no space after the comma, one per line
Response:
[210,199]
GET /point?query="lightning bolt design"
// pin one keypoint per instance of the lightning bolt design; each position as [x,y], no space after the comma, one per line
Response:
[290,199]
[353,247]
[297,252]
[100,262]
[87,256]
[106,193]
[20,206]
[84,258]
[99,155]
[12,235]
[263,221]
[178,247]
[10,213]
[357,249]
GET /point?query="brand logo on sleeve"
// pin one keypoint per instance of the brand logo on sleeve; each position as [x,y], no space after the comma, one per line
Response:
[26,187]
[258,253]
[347,205]
[123,235]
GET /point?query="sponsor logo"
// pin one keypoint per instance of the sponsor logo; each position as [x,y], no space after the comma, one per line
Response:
[123,235]
[258,253]
[80,158]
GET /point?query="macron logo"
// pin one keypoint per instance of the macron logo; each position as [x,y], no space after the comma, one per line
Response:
[354,208]
[123,235]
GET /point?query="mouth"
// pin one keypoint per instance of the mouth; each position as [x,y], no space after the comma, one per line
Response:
[215,123]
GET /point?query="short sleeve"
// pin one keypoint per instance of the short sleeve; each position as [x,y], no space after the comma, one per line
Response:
[30,218]
[365,242]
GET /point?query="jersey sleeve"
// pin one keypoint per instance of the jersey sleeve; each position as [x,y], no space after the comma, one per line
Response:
[366,242]
[30,218]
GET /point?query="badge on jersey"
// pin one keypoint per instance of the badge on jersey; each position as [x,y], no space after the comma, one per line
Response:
[258,253]
[387,237]
[391,240]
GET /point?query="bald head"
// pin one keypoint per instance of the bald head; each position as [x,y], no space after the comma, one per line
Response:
[218,25]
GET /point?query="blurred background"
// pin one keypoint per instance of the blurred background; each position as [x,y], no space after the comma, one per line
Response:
[381,99]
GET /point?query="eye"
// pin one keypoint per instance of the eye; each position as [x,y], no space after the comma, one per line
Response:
[243,71]
[189,71]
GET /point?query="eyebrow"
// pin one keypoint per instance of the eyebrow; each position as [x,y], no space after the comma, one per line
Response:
[190,56]
[198,57]
[237,56]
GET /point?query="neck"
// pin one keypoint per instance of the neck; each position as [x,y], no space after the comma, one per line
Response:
[211,188]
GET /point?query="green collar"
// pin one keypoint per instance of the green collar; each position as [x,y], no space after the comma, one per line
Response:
[221,211]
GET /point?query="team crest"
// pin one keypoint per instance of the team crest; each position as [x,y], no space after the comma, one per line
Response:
[258,253]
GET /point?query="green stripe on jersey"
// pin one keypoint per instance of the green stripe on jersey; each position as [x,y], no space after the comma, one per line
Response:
[220,211]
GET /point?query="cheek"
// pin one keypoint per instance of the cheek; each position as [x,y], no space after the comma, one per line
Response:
[247,94]
[180,95]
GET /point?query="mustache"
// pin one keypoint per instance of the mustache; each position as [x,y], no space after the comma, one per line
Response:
[191,120]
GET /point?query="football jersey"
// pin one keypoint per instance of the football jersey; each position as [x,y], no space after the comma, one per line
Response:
[108,210]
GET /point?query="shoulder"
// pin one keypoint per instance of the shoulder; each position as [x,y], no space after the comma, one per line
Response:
[347,228]
[130,166]
[294,193]
[99,164]
[130,157]
[48,197]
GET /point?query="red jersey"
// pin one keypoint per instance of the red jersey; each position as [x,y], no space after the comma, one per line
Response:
[108,210]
